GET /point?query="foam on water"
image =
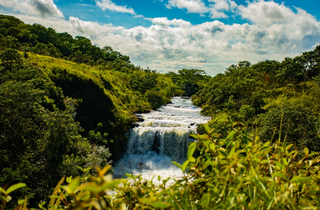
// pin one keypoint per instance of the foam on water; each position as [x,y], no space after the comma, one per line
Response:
[161,138]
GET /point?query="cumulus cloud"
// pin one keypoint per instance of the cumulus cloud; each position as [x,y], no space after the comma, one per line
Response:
[212,46]
[46,7]
[43,8]
[108,4]
[266,12]
[192,6]
[165,22]
[220,4]
[215,8]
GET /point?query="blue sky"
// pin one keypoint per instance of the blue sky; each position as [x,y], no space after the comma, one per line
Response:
[168,35]
[157,8]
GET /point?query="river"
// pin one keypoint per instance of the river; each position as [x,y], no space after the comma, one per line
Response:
[162,137]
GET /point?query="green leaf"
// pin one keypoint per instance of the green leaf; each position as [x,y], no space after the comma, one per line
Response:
[306,151]
[192,135]
[191,149]
[2,191]
[289,146]
[74,184]
[205,200]
[285,162]
[129,175]
[231,134]
[212,146]
[184,165]
[208,163]
[109,185]
[206,143]
[198,181]
[54,196]
[80,168]
[144,200]
[21,201]
[90,186]
[223,153]
[229,143]
[245,136]
[69,179]
[279,174]
[164,192]
[279,165]
[232,152]
[207,128]
[42,204]
[177,164]
[3,198]
[313,154]
[203,137]
[264,148]
[160,205]
[192,159]
[15,187]
[300,179]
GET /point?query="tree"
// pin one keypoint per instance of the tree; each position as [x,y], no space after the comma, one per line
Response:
[82,44]
[244,64]
[11,42]
[155,99]
[40,31]
[65,43]
[34,141]
[41,49]
[291,71]
[295,122]
[11,59]
[188,80]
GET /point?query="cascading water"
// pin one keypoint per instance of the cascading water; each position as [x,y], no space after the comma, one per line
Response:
[161,138]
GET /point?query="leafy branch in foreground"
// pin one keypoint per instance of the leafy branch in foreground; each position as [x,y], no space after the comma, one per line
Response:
[5,197]
[243,173]
[238,172]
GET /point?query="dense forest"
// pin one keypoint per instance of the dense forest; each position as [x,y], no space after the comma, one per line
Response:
[269,98]
[65,105]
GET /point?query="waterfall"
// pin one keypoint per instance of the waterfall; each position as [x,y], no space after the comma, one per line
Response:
[162,137]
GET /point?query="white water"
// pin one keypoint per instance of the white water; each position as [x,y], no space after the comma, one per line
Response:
[161,138]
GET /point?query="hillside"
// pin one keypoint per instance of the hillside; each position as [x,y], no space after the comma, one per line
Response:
[270,99]
[72,111]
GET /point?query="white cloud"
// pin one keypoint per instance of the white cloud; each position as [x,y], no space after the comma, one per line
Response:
[108,4]
[192,6]
[214,13]
[266,12]
[212,46]
[43,8]
[215,8]
[233,5]
[165,22]
[220,4]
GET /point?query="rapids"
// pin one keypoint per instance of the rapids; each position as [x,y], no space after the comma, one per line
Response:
[162,137]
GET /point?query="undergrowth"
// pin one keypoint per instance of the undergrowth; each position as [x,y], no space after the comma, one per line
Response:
[237,172]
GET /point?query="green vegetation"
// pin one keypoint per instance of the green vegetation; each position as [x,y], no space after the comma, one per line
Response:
[188,81]
[65,105]
[268,98]
[236,172]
